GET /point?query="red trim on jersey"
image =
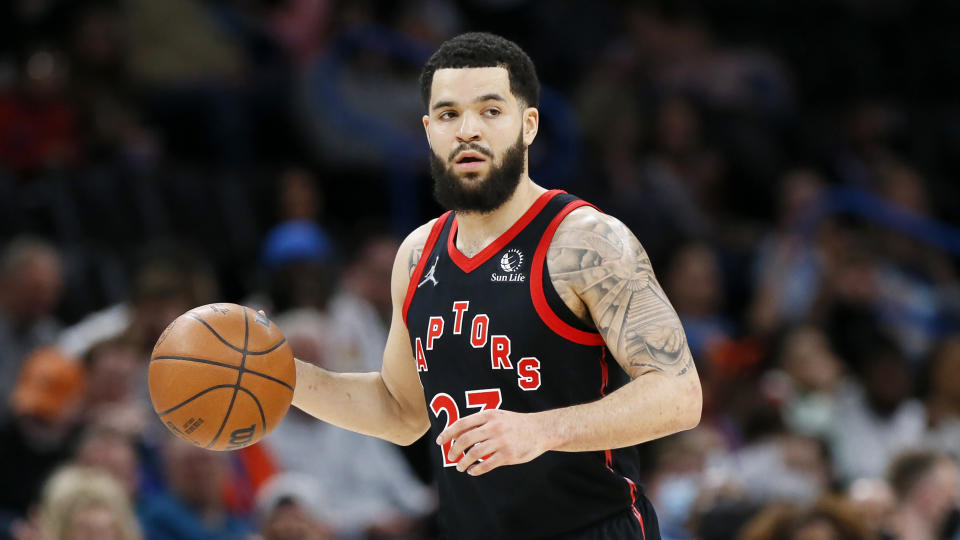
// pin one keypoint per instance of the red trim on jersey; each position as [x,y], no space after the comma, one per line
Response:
[469,264]
[608,455]
[633,506]
[604,372]
[536,285]
[418,271]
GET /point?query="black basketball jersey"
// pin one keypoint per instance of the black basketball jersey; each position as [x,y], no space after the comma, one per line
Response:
[490,331]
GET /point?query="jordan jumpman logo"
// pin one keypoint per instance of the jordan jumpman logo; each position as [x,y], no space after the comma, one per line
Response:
[430,276]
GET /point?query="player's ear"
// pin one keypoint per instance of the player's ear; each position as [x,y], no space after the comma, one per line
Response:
[531,124]
[426,125]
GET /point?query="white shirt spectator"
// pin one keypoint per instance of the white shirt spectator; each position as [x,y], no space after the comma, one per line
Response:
[864,442]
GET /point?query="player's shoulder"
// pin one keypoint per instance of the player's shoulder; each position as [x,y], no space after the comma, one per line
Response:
[416,240]
[408,255]
[412,247]
[587,220]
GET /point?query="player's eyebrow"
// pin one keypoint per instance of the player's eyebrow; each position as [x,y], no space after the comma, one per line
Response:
[481,99]
[443,104]
[490,97]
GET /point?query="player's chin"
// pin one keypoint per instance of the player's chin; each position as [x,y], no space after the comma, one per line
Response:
[471,179]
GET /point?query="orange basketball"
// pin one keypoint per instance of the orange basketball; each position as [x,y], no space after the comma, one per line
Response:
[221,376]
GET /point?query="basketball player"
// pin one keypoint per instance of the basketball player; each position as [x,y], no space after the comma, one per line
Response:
[529,334]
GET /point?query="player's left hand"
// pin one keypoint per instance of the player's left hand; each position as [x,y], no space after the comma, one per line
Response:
[496,437]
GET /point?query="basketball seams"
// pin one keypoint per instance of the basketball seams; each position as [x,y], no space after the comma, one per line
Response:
[243,360]
[216,334]
[263,417]
[193,397]
[221,364]
[267,351]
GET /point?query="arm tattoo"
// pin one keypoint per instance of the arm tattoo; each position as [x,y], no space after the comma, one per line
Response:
[598,259]
[415,258]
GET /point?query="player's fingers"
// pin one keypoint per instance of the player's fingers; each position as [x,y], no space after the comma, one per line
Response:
[488,464]
[465,441]
[461,426]
[478,451]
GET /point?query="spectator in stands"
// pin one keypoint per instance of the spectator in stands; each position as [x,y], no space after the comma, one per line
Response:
[846,302]
[38,119]
[788,263]
[165,284]
[114,452]
[927,486]
[781,467]
[610,108]
[673,182]
[878,419]
[695,287]
[814,377]
[828,519]
[913,275]
[193,506]
[298,253]
[83,504]
[678,479]
[37,436]
[682,158]
[360,309]
[115,373]
[943,400]
[30,284]
[873,501]
[290,507]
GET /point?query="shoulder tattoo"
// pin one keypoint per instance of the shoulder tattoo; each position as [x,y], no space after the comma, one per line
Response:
[415,253]
[598,259]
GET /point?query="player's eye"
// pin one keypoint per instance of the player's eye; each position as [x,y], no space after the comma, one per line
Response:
[448,115]
[492,112]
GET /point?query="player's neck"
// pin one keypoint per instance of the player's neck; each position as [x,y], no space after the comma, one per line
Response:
[476,230]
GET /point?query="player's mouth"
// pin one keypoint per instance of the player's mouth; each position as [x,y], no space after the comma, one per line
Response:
[469,161]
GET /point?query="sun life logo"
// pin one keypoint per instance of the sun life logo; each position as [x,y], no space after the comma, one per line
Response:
[511,260]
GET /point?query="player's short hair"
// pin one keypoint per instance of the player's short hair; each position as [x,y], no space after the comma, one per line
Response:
[481,49]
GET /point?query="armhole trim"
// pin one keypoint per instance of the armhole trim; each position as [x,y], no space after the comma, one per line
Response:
[422,263]
[551,319]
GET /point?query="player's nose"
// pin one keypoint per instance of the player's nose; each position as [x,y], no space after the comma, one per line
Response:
[469,129]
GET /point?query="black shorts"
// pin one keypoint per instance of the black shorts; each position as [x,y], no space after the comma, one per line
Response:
[637,523]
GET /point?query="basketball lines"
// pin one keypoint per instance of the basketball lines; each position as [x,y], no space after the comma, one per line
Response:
[241,369]
[243,360]
[263,417]
[231,345]
[221,364]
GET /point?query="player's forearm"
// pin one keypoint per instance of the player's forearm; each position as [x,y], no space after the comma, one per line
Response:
[647,408]
[359,402]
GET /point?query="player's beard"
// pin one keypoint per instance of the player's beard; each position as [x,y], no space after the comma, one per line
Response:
[472,194]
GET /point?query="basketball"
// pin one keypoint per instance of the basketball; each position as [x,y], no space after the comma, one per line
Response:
[221,376]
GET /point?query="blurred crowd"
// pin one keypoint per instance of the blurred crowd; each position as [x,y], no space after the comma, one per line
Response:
[788,166]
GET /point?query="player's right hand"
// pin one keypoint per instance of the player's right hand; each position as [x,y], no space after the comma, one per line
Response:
[494,438]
